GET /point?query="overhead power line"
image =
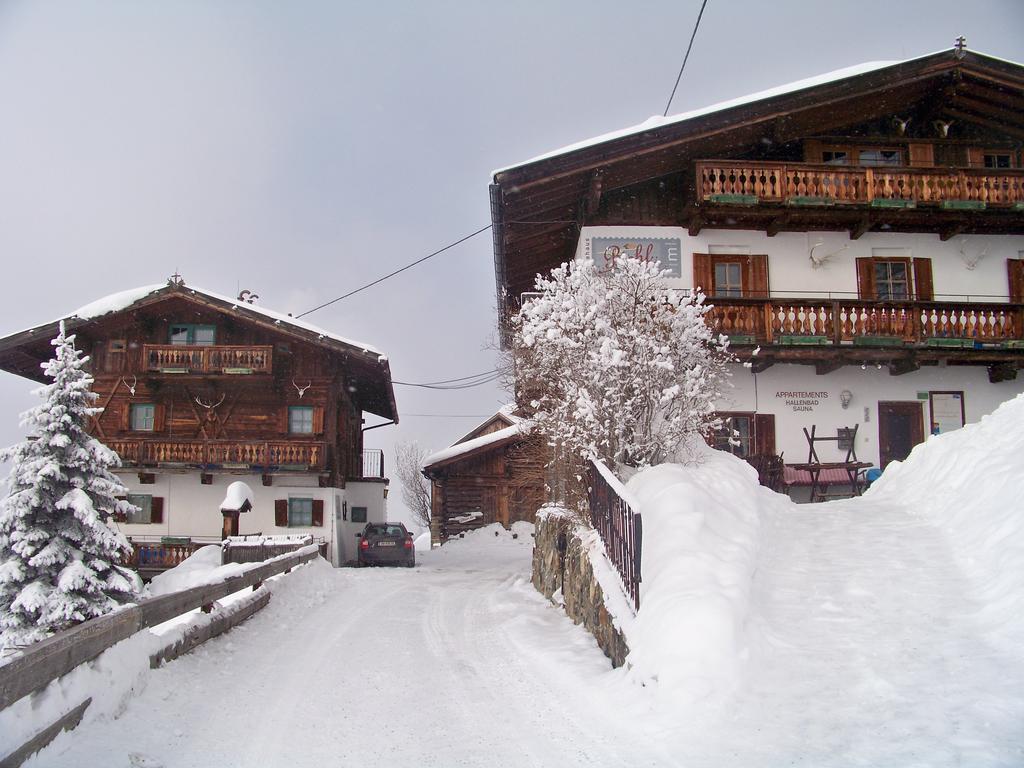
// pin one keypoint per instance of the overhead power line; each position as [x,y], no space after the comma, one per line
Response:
[687,56]
[466,383]
[396,272]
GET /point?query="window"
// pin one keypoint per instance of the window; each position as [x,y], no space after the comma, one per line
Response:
[142,417]
[892,280]
[150,509]
[736,434]
[144,513]
[998,160]
[186,333]
[358,514]
[835,157]
[728,279]
[300,512]
[879,157]
[300,419]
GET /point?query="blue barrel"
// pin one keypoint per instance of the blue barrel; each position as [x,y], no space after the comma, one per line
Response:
[873,474]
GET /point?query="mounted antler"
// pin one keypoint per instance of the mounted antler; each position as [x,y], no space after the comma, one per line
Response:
[901,124]
[131,387]
[209,406]
[302,390]
[942,127]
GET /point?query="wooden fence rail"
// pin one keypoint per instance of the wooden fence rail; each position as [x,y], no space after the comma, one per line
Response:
[49,659]
[620,528]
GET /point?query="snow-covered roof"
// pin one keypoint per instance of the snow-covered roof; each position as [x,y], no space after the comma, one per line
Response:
[124,299]
[520,428]
[798,85]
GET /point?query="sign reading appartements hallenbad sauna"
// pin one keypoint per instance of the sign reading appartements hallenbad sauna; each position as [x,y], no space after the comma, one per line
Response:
[664,250]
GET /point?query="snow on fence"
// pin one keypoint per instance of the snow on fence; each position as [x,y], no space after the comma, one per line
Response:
[621,528]
[257,548]
[46,661]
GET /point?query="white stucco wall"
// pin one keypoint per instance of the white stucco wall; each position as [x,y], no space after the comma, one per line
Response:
[193,509]
[762,393]
[790,271]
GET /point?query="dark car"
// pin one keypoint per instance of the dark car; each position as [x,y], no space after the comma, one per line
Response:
[386,544]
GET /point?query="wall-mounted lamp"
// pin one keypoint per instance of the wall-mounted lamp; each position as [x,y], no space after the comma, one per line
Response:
[845,398]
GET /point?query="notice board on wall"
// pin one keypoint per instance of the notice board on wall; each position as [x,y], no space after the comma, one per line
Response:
[947,410]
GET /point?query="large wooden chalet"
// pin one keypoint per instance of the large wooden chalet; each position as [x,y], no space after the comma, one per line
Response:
[199,390]
[860,235]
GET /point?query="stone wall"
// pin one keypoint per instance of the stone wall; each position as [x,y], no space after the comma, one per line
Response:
[561,566]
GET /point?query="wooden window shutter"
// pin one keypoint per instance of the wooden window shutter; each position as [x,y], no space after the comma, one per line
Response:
[126,416]
[976,157]
[703,275]
[764,433]
[921,155]
[283,426]
[812,151]
[923,288]
[866,278]
[156,509]
[757,284]
[159,417]
[318,420]
[1015,273]
[318,512]
[281,513]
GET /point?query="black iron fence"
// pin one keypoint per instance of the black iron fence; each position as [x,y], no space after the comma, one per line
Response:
[620,527]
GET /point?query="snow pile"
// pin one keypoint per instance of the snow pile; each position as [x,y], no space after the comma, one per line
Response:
[969,483]
[492,544]
[701,533]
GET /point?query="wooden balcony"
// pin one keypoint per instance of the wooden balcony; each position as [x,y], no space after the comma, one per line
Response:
[816,322]
[279,454]
[807,184]
[181,358]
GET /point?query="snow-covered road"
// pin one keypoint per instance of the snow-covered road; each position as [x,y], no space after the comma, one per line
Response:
[457,662]
[868,652]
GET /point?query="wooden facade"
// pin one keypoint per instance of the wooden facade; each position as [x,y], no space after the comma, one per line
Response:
[497,482]
[190,381]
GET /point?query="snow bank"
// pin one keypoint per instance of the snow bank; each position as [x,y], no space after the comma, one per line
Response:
[970,483]
[492,543]
[701,532]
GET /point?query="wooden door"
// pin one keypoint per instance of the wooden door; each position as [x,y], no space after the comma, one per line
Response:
[900,428]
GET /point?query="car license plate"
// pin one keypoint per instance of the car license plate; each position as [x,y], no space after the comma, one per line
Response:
[385,543]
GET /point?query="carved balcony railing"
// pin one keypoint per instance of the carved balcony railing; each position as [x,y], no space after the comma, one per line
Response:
[207,359]
[852,321]
[206,453]
[741,180]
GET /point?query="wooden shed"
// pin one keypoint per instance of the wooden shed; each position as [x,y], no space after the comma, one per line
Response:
[495,474]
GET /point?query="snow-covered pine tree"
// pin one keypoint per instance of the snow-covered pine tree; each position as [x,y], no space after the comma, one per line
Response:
[616,365]
[58,550]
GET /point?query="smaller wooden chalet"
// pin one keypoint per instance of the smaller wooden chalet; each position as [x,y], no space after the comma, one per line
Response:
[495,474]
[197,390]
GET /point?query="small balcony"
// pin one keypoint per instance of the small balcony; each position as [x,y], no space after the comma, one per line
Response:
[195,359]
[247,454]
[743,182]
[824,322]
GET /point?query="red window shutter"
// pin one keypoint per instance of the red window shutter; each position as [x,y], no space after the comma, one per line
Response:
[923,280]
[703,276]
[318,420]
[764,433]
[757,283]
[281,513]
[156,510]
[283,426]
[1015,274]
[866,278]
[318,512]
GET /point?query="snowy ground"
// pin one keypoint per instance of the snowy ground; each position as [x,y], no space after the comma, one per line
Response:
[859,632]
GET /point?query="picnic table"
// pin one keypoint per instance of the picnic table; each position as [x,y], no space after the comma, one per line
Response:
[820,475]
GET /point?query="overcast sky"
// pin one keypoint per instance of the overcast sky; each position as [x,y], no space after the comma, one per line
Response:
[302,149]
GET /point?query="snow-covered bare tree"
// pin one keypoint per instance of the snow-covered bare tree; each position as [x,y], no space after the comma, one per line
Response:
[415,487]
[616,365]
[59,551]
